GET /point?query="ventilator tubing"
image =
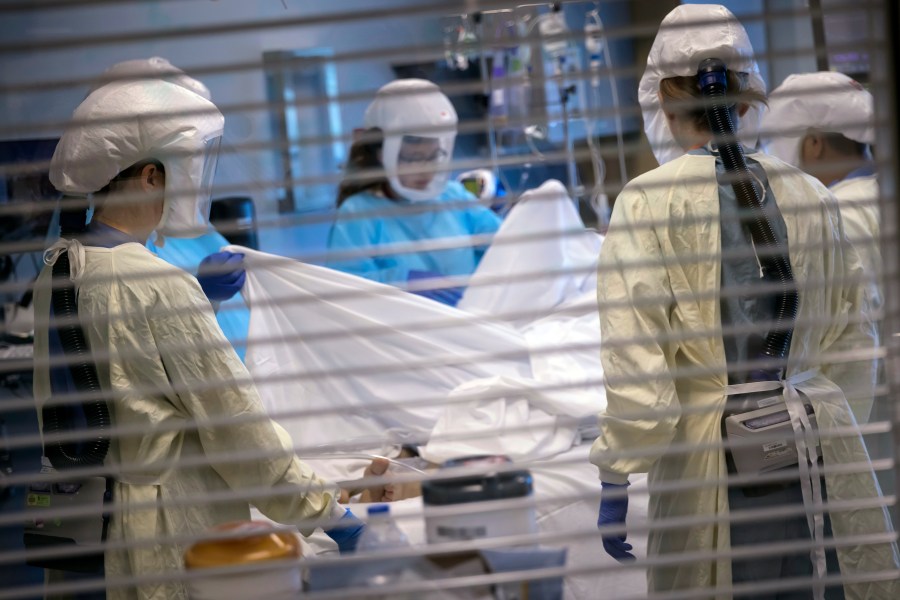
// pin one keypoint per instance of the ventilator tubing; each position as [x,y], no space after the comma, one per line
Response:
[92,450]
[776,266]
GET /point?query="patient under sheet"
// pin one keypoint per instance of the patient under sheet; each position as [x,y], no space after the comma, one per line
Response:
[344,363]
[542,258]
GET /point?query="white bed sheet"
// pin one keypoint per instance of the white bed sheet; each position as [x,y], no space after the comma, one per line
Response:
[380,366]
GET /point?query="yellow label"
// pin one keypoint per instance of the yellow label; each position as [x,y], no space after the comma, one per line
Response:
[37,500]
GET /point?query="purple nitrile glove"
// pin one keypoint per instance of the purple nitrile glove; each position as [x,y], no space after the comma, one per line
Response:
[613,511]
[221,275]
[346,533]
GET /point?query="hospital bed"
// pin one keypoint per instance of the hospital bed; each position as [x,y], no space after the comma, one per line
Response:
[513,370]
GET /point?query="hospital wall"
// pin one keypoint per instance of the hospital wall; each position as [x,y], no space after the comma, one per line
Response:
[790,40]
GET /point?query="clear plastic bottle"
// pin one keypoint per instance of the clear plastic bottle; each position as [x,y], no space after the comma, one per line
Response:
[382,533]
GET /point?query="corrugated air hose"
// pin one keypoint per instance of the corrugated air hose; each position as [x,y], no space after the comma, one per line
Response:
[774,258]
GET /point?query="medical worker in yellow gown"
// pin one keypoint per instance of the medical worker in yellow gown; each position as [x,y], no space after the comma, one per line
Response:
[670,367]
[191,444]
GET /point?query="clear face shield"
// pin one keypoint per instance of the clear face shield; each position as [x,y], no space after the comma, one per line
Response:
[189,182]
[417,166]
[210,159]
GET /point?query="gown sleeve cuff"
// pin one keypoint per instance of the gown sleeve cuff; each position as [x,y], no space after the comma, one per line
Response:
[612,477]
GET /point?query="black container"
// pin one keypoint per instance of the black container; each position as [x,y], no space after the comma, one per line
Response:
[477,488]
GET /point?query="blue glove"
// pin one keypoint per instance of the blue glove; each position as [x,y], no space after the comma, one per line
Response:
[448,296]
[221,275]
[613,512]
[347,532]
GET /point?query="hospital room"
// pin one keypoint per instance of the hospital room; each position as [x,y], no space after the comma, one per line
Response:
[449,299]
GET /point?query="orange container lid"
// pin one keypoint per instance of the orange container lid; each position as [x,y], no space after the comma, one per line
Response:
[250,542]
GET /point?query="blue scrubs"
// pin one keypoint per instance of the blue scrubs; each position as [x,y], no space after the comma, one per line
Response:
[367,222]
[233,315]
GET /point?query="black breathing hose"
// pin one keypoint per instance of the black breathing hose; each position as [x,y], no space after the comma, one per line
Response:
[775,261]
[92,451]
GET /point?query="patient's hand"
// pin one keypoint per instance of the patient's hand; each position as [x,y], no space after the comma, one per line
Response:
[389,492]
[378,493]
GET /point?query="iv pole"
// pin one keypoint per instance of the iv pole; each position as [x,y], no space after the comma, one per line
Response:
[565,91]
[487,80]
